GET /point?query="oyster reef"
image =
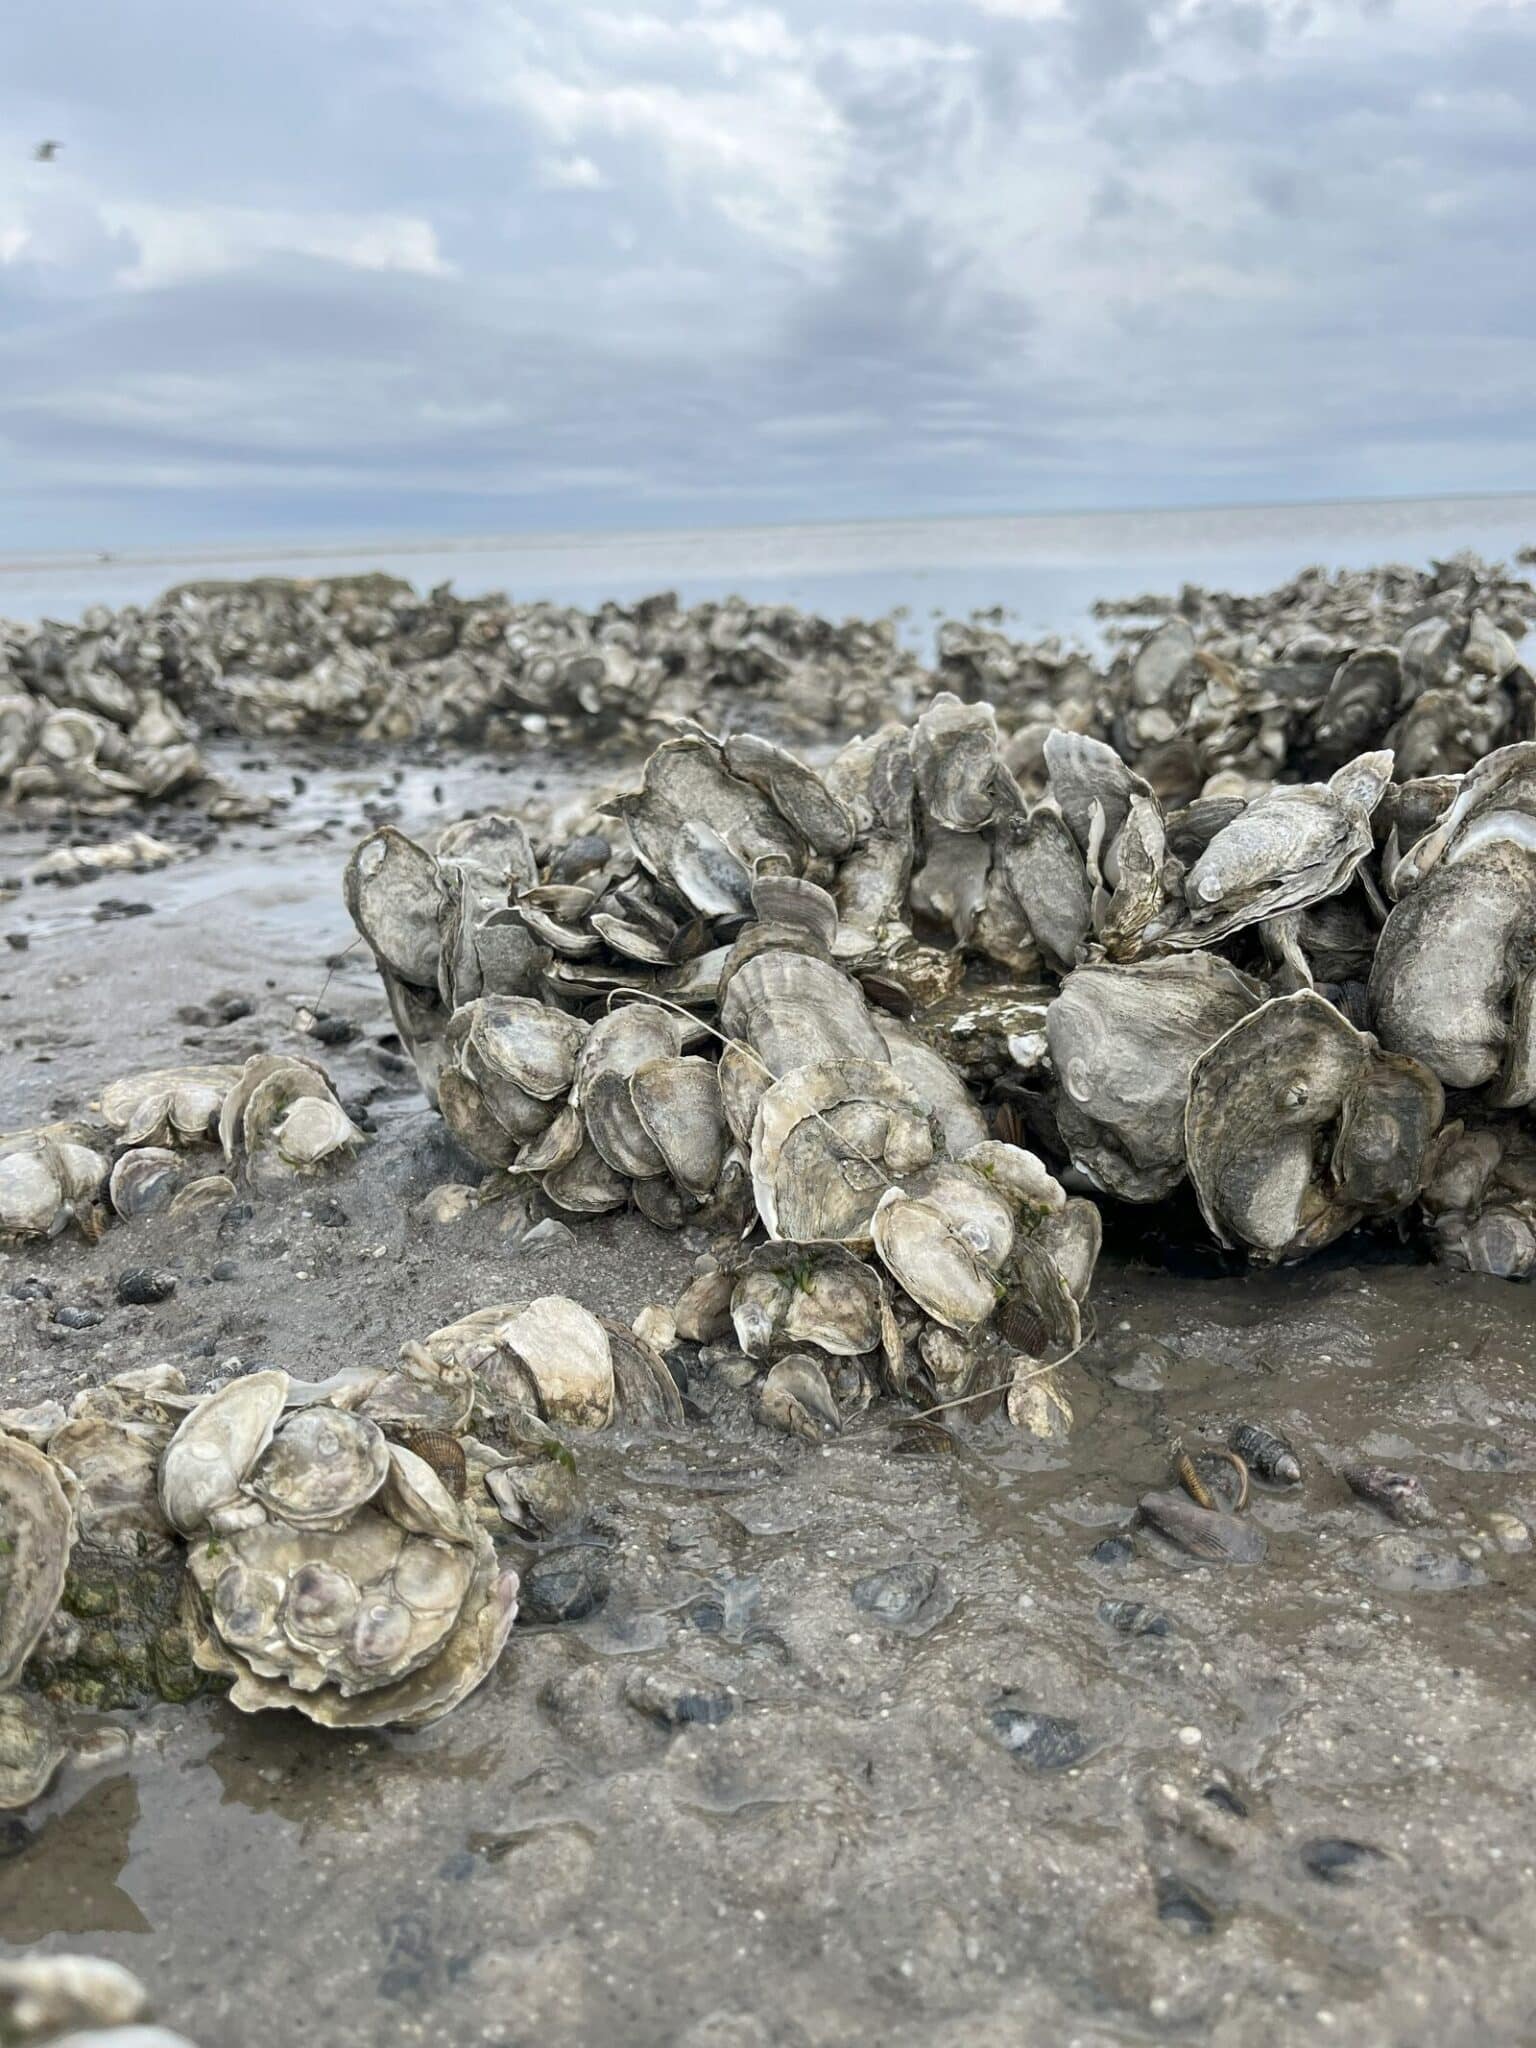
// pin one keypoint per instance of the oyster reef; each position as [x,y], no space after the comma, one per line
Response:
[675,1050]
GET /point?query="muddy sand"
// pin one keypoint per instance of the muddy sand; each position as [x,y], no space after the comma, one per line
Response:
[788,1780]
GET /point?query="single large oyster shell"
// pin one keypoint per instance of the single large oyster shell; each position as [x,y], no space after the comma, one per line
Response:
[1123,1040]
[1298,1126]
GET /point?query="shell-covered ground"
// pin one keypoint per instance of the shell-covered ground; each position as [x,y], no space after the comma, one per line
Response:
[787,1780]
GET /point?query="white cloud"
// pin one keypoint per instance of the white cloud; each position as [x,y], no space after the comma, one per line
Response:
[570,174]
[178,243]
[1023,10]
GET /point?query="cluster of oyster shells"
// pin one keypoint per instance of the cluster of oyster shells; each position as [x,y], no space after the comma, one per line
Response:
[693,1011]
[1226,693]
[107,713]
[1231,691]
[339,1538]
[691,1008]
[336,1542]
[100,717]
[147,1150]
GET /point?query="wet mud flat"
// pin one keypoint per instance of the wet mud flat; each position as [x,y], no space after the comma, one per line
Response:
[910,1737]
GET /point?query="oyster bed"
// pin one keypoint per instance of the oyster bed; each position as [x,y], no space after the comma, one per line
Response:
[783,1668]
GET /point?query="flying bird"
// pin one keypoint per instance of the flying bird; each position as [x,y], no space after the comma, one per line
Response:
[45,152]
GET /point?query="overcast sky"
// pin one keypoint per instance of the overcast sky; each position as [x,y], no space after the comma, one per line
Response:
[318,267]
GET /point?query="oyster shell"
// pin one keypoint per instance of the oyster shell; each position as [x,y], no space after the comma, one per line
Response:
[48,1179]
[37,1523]
[1263,1103]
[1046,875]
[1289,848]
[145,1181]
[280,1116]
[789,1296]
[169,1107]
[677,1103]
[551,1356]
[320,1467]
[954,756]
[796,792]
[115,1461]
[1123,1042]
[936,1084]
[213,1451]
[793,1010]
[616,1047]
[418,1497]
[1449,984]
[31,1751]
[509,1061]
[394,896]
[827,1142]
[796,1397]
[928,1255]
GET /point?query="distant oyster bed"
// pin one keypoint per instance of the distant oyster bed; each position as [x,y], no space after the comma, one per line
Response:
[108,714]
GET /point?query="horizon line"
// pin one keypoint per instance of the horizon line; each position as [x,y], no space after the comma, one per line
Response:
[320,549]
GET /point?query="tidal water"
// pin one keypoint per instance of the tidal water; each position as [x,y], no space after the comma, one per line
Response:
[1044,570]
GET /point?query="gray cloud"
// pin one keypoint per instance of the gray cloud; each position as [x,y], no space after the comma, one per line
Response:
[329,265]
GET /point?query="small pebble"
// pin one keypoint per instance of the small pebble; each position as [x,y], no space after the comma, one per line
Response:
[548,1236]
[910,1595]
[143,1286]
[1113,1550]
[449,1203]
[31,1287]
[1336,1859]
[224,1269]
[677,1704]
[1143,1369]
[17,941]
[564,1585]
[72,1317]
[1133,1618]
[1180,1905]
[1509,1532]
[1225,1799]
[1042,1742]
[15,1836]
[1397,1494]
[1190,1738]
